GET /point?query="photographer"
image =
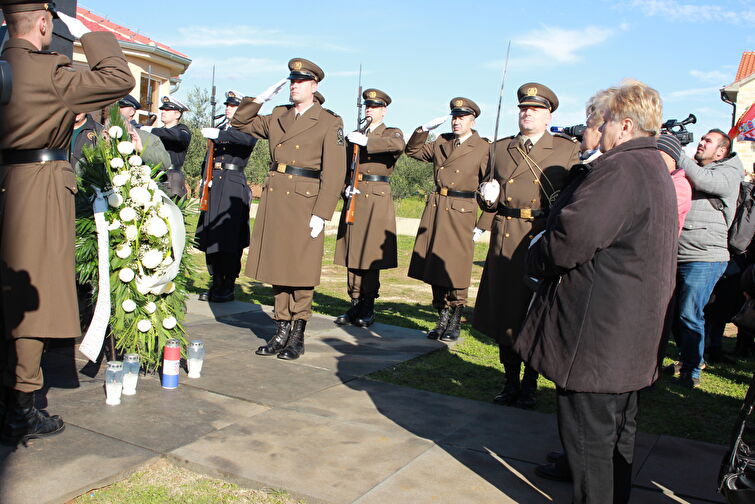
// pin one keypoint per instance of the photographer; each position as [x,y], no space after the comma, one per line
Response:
[607,260]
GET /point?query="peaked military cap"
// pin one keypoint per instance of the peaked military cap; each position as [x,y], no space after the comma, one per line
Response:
[464,106]
[534,94]
[376,98]
[129,101]
[11,6]
[319,98]
[170,103]
[302,69]
[233,98]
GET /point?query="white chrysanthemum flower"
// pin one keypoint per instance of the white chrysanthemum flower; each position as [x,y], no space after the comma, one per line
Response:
[152,186]
[126,275]
[117,163]
[128,306]
[131,233]
[163,211]
[144,325]
[127,214]
[135,160]
[115,132]
[145,171]
[150,307]
[115,200]
[139,195]
[125,148]
[114,225]
[152,259]
[169,323]
[167,261]
[155,226]
[142,286]
[123,251]
[120,180]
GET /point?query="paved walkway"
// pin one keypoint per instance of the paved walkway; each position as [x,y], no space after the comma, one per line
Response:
[316,427]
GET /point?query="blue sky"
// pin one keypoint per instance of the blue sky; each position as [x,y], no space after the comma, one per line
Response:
[425,53]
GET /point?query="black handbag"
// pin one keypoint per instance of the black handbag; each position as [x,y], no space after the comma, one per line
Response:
[745,318]
[737,475]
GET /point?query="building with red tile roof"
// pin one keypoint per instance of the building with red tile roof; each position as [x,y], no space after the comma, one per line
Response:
[741,95]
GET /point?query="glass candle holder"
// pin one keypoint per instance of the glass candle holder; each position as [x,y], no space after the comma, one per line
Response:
[171,363]
[113,382]
[195,358]
[131,366]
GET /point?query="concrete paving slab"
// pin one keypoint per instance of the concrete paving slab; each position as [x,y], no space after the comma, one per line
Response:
[686,467]
[221,339]
[323,458]
[65,466]
[177,416]
[218,310]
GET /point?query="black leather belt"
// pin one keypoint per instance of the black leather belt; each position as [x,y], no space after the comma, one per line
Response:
[293,170]
[373,178]
[521,213]
[445,191]
[11,156]
[227,166]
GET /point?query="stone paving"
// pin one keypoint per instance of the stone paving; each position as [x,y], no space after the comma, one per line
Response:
[315,427]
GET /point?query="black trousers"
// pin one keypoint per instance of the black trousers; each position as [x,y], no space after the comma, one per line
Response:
[598,432]
[224,264]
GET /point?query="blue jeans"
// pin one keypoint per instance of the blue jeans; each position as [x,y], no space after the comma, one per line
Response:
[695,282]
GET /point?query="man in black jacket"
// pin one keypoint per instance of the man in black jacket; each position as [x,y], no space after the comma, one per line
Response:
[176,137]
[607,260]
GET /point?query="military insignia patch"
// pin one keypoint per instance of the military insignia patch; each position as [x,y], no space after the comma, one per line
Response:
[532,91]
[91,136]
[553,197]
[339,136]
[296,65]
[458,103]
[398,134]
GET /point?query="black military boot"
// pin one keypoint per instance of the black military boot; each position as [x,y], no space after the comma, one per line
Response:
[24,422]
[454,325]
[444,316]
[208,294]
[224,293]
[366,316]
[528,394]
[510,392]
[351,314]
[278,342]
[295,346]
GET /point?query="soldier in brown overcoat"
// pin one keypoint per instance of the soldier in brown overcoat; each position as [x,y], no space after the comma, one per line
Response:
[299,194]
[529,170]
[444,247]
[37,187]
[369,244]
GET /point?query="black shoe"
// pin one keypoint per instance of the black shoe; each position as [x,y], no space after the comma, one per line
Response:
[366,314]
[454,325]
[24,422]
[278,343]
[295,346]
[205,296]
[350,315]
[444,316]
[223,296]
[528,394]
[554,471]
[555,456]
[509,394]
[672,369]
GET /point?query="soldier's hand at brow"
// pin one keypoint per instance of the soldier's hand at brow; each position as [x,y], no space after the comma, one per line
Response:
[431,125]
[75,26]
[270,92]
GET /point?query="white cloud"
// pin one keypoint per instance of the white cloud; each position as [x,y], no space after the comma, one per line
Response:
[561,44]
[687,12]
[235,68]
[713,76]
[691,93]
[240,36]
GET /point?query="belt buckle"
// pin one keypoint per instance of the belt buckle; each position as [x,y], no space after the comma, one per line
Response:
[218,166]
[359,177]
[281,168]
[525,213]
[444,191]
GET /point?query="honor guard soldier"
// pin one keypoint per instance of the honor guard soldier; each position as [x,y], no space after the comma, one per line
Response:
[529,170]
[299,194]
[37,188]
[369,244]
[149,146]
[444,247]
[176,138]
[223,230]
[129,105]
[319,98]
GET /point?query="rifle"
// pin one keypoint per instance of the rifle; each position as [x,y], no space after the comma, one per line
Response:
[151,118]
[491,161]
[204,200]
[354,180]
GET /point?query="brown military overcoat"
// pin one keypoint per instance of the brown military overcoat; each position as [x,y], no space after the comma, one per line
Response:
[370,242]
[282,251]
[503,296]
[37,199]
[444,248]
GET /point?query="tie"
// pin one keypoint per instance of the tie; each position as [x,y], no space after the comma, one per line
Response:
[456,143]
[528,146]
[297,116]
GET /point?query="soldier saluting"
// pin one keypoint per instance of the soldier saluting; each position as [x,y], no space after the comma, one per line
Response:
[176,138]
[37,187]
[444,247]
[223,230]
[369,244]
[299,194]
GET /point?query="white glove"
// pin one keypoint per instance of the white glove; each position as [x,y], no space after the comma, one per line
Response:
[536,238]
[148,129]
[74,26]
[358,138]
[431,125]
[270,92]
[490,191]
[350,191]
[476,234]
[317,225]
[211,133]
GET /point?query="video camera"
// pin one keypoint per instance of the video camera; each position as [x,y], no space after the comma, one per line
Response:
[679,130]
[576,131]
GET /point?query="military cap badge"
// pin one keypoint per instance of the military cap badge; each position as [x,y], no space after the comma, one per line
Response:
[372,94]
[296,65]
[532,91]
[458,103]
[166,99]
